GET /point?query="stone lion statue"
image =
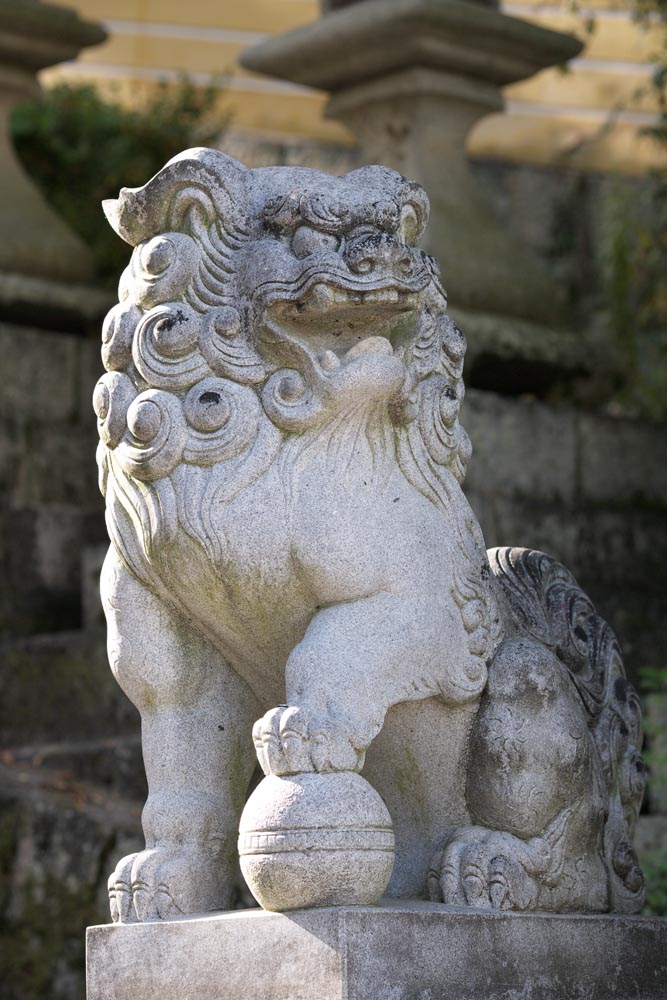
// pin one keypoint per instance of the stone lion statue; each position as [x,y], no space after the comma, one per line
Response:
[282,459]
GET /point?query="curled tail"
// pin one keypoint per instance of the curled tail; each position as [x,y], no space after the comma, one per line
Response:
[542,599]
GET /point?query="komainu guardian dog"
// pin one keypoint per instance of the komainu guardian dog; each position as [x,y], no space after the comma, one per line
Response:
[281,457]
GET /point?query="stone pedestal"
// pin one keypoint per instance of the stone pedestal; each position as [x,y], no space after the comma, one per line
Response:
[401,951]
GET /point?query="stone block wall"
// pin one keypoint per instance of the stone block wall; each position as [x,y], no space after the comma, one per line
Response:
[50,507]
[590,490]
[71,778]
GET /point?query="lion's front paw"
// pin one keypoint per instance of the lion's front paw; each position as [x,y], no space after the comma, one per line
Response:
[290,741]
[490,870]
[162,882]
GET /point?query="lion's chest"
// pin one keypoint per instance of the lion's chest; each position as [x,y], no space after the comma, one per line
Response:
[288,544]
[303,537]
[240,581]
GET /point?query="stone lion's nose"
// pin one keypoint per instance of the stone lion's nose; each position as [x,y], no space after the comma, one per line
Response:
[380,254]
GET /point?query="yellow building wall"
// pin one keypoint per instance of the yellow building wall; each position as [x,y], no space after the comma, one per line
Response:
[590,116]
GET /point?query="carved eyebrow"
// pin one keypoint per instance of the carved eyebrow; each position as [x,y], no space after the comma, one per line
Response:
[285,213]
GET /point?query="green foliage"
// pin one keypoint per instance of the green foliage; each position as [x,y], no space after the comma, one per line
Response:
[632,249]
[654,867]
[81,148]
[653,679]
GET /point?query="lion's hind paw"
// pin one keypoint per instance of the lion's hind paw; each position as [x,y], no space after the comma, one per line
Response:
[488,869]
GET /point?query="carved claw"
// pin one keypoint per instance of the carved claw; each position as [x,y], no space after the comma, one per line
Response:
[120,892]
[287,742]
[164,882]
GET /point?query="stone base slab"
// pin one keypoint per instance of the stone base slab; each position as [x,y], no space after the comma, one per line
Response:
[397,951]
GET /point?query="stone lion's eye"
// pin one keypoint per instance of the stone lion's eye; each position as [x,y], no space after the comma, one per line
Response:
[307,241]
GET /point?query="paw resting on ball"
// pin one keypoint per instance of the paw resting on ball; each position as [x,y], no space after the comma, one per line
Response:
[288,740]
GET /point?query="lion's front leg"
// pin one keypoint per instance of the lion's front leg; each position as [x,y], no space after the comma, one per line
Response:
[195,720]
[355,661]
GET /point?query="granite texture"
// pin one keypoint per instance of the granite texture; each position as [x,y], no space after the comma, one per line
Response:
[282,455]
[399,952]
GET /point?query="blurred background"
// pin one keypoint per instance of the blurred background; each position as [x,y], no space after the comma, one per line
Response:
[539,130]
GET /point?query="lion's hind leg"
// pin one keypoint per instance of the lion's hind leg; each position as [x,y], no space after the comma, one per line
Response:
[555,778]
[533,792]
[196,716]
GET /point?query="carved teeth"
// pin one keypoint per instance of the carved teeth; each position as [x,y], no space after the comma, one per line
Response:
[383,295]
[322,296]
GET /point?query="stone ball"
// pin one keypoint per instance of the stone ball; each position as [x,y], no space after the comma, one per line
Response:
[309,840]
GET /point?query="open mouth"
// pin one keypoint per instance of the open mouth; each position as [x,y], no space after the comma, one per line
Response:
[328,318]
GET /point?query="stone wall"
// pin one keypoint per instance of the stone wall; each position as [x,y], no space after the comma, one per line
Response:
[590,490]
[70,763]
[50,507]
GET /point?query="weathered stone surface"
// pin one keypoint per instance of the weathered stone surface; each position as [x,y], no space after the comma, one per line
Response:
[49,509]
[292,818]
[462,37]
[513,356]
[622,462]
[504,432]
[610,528]
[39,553]
[627,547]
[397,952]
[52,360]
[50,304]
[581,460]
[282,456]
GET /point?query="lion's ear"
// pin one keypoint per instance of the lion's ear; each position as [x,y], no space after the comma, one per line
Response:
[190,192]
[410,198]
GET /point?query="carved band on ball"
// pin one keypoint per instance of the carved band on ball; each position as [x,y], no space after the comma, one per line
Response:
[316,839]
